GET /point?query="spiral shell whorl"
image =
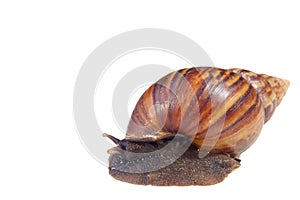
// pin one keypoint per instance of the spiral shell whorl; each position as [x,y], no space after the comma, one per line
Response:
[278,85]
[270,89]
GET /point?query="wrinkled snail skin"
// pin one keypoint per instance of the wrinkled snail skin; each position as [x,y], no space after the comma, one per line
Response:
[187,170]
[221,111]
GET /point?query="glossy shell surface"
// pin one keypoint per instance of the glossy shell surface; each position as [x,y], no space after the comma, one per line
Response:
[219,109]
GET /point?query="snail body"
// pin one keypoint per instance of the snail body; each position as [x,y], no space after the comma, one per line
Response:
[220,111]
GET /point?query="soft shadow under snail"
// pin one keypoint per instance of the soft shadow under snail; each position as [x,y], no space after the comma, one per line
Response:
[190,127]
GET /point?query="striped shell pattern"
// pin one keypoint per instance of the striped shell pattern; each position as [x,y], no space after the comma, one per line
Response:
[222,110]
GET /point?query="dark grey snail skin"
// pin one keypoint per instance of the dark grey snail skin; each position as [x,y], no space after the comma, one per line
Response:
[186,170]
[218,113]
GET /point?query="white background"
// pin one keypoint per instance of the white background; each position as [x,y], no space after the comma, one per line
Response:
[42,47]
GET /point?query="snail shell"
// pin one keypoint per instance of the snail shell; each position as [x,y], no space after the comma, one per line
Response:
[222,110]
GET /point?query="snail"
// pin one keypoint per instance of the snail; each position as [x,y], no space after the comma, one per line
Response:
[191,126]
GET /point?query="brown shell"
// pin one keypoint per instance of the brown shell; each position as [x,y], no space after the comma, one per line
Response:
[222,110]
[270,89]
